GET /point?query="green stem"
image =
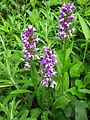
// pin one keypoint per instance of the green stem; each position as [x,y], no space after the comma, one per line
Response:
[85,51]
[64,49]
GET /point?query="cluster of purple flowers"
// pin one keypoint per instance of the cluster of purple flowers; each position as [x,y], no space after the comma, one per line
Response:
[48,62]
[65,18]
[29,45]
[48,59]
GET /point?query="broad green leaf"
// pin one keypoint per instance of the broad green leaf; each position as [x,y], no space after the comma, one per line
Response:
[71,97]
[68,110]
[35,112]
[76,92]
[59,102]
[80,113]
[84,91]
[86,30]
[77,69]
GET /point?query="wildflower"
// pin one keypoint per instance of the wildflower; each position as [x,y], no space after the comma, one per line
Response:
[26,66]
[29,45]
[65,20]
[48,62]
[53,84]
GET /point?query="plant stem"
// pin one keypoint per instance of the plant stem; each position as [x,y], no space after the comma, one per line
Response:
[85,51]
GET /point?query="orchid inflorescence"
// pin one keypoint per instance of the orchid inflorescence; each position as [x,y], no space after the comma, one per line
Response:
[29,45]
[48,62]
[66,17]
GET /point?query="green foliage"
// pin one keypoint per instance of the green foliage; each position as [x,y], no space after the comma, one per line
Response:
[76,69]
[22,97]
[59,102]
[80,113]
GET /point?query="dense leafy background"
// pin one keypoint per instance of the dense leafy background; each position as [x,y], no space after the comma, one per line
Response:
[21,95]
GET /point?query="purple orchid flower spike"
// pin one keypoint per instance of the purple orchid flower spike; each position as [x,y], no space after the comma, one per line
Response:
[29,45]
[48,62]
[65,20]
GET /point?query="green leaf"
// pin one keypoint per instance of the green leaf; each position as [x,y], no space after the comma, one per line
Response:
[35,112]
[20,91]
[76,92]
[59,65]
[82,2]
[86,30]
[33,3]
[80,113]
[7,98]
[44,115]
[84,91]
[77,69]
[5,85]
[68,52]
[4,109]
[13,3]
[60,115]
[3,66]
[65,81]
[59,102]
[41,92]
[24,115]
[34,75]
[12,107]
[53,2]
[1,118]
[87,79]
[79,84]
[30,118]
[68,110]
[18,40]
